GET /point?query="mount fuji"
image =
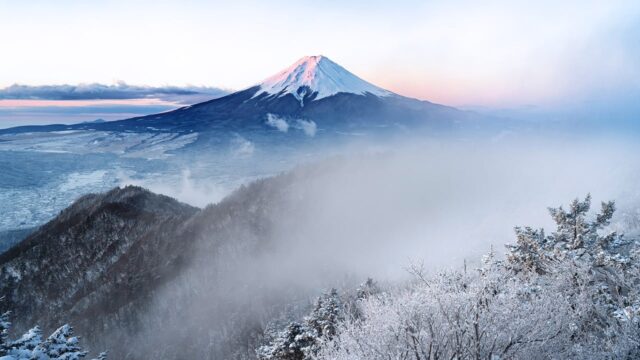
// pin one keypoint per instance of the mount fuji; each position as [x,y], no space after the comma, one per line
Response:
[314,90]
[318,76]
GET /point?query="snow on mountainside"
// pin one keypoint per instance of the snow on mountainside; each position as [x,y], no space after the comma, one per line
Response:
[312,89]
[317,74]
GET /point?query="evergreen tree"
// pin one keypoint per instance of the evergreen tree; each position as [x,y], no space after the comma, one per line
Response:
[576,237]
[572,226]
[5,324]
[367,289]
[302,341]
[25,347]
[326,315]
[528,254]
[62,345]
[294,343]
[575,231]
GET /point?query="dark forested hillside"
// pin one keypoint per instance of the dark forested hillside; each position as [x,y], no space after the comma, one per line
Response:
[128,269]
[101,256]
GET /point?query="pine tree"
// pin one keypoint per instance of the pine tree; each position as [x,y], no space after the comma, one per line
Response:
[5,324]
[302,341]
[575,237]
[62,345]
[572,226]
[528,253]
[601,263]
[293,343]
[574,230]
[326,315]
[367,289]
[26,346]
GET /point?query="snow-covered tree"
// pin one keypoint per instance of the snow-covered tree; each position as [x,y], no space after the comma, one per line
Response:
[575,231]
[572,227]
[576,236]
[453,315]
[326,315]
[366,289]
[302,340]
[25,347]
[5,324]
[60,345]
[528,253]
[294,343]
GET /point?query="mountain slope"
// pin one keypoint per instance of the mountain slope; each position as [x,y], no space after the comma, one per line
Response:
[121,265]
[319,77]
[147,277]
[117,244]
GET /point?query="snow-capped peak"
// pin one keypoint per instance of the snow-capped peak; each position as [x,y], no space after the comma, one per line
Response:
[320,75]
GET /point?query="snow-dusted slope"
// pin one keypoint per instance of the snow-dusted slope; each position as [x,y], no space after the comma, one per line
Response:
[317,74]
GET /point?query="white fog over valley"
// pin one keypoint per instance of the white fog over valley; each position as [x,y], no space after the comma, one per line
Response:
[373,210]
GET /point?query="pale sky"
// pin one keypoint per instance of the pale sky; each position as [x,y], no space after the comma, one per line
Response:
[498,53]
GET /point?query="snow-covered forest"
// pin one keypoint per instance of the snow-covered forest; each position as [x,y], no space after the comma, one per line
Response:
[60,345]
[572,294]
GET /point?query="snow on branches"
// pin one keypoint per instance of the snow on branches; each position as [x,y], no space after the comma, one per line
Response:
[573,294]
[60,345]
[303,340]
